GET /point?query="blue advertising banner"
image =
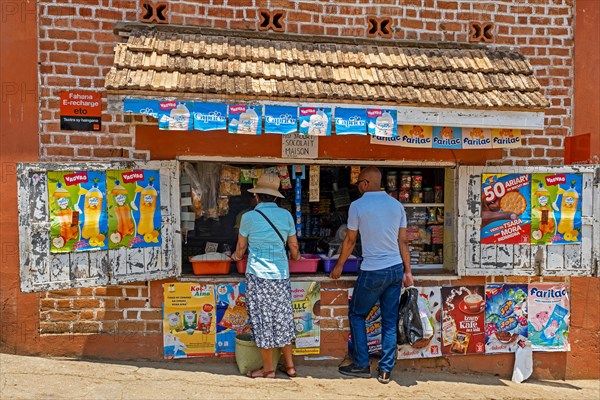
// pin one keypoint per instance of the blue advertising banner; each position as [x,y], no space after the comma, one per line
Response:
[315,121]
[350,121]
[382,123]
[210,117]
[445,137]
[141,106]
[175,116]
[281,119]
[245,119]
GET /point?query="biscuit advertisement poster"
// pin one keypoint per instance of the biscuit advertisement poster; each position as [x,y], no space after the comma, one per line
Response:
[505,317]
[373,324]
[549,315]
[232,316]
[463,318]
[431,347]
[505,208]
[556,208]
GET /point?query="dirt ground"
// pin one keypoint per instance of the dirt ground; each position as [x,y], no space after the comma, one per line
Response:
[24,377]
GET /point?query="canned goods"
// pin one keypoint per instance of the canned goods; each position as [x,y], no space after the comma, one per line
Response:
[416,180]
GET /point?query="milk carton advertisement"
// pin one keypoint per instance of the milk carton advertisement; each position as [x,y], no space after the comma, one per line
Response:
[506,138]
[245,119]
[446,137]
[315,121]
[476,138]
[549,315]
[382,123]
[281,119]
[416,136]
[175,116]
[350,121]
[210,117]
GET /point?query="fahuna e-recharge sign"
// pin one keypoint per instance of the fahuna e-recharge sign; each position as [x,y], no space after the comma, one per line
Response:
[80,111]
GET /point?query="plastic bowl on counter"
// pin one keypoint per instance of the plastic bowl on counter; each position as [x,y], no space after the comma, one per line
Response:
[351,265]
[211,264]
[306,265]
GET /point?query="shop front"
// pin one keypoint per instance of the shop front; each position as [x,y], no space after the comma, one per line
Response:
[493,248]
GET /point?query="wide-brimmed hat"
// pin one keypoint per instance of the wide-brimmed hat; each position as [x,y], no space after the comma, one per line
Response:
[267,184]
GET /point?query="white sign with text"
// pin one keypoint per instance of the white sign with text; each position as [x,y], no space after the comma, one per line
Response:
[299,146]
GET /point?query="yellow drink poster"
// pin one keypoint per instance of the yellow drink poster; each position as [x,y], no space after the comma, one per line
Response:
[189,320]
[77,209]
[133,198]
[306,302]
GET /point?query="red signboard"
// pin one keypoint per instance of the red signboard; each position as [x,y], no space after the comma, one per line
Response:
[80,111]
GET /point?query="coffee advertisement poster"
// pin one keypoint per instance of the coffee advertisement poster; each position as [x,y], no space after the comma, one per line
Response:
[549,315]
[463,319]
[505,317]
[432,347]
[505,208]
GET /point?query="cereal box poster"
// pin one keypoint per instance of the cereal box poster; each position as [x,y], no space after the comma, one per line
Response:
[432,347]
[505,208]
[505,317]
[556,208]
[232,317]
[134,218]
[189,320]
[373,325]
[77,209]
[306,302]
[549,315]
[463,318]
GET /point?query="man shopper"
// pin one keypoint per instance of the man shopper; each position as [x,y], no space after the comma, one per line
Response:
[381,221]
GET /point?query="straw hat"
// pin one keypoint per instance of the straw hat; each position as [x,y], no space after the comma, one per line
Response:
[267,184]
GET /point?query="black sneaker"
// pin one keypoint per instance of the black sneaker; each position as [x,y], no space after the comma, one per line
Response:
[383,376]
[355,371]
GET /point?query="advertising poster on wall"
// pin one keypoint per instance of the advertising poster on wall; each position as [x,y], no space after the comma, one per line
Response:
[476,138]
[382,123]
[350,121]
[189,320]
[315,121]
[447,137]
[245,119]
[505,317]
[175,116]
[417,136]
[549,315]
[134,218]
[506,138]
[373,330]
[556,208]
[306,301]
[210,117]
[77,209]
[282,120]
[463,319]
[431,347]
[505,208]
[232,317]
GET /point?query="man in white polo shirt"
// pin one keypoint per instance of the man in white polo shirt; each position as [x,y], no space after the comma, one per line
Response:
[381,221]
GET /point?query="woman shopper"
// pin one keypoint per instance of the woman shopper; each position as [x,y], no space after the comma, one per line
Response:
[264,231]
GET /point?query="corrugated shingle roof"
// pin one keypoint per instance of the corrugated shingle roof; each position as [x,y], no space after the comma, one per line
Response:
[163,61]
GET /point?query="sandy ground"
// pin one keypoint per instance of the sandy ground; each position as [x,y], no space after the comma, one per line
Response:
[24,377]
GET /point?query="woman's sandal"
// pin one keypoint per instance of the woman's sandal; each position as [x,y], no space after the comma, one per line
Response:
[289,371]
[260,373]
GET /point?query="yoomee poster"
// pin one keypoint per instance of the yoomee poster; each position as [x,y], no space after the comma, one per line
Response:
[505,208]
[427,347]
[373,323]
[463,320]
[306,301]
[232,317]
[549,315]
[134,218]
[505,316]
[77,211]
[189,320]
[556,208]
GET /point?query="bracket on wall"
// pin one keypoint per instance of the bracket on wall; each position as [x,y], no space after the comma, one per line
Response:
[379,27]
[481,32]
[271,20]
[153,12]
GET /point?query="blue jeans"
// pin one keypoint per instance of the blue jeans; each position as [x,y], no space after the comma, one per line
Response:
[383,285]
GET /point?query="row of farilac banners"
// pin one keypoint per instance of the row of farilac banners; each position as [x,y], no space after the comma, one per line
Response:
[317,121]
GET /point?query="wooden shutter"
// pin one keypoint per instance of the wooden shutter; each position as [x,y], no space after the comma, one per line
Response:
[41,270]
[475,258]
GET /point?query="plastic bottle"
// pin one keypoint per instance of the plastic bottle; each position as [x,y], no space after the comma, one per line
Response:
[92,209]
[568,207]
[248,122]
[318,123]
[180,117]
[545,214]
[64,213]
[384,125]
[147,209]
[125,225]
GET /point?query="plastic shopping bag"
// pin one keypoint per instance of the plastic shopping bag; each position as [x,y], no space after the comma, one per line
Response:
[426,317]
[523,362]
[410,328]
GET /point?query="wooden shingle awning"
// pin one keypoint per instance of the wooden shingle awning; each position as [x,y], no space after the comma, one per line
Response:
[282,67]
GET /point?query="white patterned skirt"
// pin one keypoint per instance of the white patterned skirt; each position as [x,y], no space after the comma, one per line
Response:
[270,313]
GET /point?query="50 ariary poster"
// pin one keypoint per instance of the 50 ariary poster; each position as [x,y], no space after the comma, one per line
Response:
[505,317]
[77,211]
[549,315]
[134,218]
[427,347]
[505,208]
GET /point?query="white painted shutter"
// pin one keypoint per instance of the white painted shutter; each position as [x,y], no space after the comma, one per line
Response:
[523,259]
[41,270]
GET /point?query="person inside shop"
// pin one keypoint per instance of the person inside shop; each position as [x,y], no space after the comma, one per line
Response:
[381,221]
[264,232]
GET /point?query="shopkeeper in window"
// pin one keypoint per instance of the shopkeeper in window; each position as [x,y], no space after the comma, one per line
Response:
[264,232]
[381,221]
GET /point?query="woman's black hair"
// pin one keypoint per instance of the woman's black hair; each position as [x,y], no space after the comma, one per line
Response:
[266,198]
